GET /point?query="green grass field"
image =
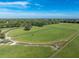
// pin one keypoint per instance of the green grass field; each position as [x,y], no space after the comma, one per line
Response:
[49,33]
[43,35]
[70,51]
[24,51]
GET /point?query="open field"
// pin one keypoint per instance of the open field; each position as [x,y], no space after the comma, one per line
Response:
[24,51]
[44,34]
[56,33]
[39,29]
[70,51]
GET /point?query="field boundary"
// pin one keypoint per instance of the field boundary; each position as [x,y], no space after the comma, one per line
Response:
[69,41]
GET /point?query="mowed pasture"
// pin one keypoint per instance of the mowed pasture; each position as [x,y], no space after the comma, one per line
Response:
[49,33]
[70,51]
[24,51]
[46,34]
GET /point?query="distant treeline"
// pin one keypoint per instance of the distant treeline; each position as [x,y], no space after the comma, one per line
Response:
[8,23]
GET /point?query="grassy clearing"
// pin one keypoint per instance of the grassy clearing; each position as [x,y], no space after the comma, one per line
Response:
[5,29]
[20,31]
[22,51]
[67,26]
[70,51]
[42,35]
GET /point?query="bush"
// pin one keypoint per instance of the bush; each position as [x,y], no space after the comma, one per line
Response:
[2,35]
[28,27]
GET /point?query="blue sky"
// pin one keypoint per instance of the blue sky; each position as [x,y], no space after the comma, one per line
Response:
[39,8]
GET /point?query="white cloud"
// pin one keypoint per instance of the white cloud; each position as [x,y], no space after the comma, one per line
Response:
[15,3]
[8,14]
[20,4]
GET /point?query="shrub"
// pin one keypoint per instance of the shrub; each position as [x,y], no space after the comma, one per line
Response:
[27,27]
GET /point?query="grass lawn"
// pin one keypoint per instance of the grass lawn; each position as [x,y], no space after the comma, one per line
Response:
[67,26]
[70,51]
[20,31]
[49,33]
[44,34]
[22,51]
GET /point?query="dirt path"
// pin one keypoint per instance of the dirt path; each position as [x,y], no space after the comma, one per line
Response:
[25,43]
[10,38]
[70,39]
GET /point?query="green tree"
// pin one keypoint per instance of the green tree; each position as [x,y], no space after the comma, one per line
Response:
[28,27]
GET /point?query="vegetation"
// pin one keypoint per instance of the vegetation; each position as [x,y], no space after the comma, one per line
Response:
[2,35]
[24,51]
[39,31]
[28,27]
[46,34]
[9,23]
[70,51]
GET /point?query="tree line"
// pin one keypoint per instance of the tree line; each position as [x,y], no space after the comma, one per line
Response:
[8,23]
